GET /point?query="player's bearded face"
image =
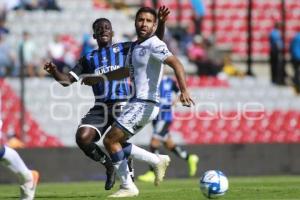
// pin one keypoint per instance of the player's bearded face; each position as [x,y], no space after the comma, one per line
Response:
[145,25]
[103,32]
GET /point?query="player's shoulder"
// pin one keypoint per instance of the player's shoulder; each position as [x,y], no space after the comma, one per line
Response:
[89,54]
[154,39]
[156,42]
[124,45]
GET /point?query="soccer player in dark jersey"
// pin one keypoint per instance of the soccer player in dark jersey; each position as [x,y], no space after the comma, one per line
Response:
[109,96]
[161,126]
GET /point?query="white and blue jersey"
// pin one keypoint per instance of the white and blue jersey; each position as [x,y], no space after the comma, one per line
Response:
[102,61]
[145,64]
[145,61]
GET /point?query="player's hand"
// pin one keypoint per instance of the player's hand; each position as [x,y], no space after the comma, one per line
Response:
[186,99]
[163,13]
[50,67]
[90,80]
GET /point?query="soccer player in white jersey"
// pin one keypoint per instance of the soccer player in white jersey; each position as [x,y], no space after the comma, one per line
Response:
[9,158]
[145,70]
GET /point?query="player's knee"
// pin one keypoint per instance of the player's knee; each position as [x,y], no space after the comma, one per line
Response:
[113,137]
[107,142]
[84,138]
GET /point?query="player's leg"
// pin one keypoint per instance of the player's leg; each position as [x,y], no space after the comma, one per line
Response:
[115,111]
[154,148]
[112,143]
[28,178]
[192,159]
[136,116]
[86,137]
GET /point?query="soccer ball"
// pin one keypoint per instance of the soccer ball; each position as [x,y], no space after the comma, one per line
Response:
[213,184]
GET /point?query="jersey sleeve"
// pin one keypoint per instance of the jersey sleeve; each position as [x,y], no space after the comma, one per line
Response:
[80,68]
[160,51]
[126,47]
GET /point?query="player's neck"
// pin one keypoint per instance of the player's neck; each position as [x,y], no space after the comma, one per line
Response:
[103,45]
[140,40]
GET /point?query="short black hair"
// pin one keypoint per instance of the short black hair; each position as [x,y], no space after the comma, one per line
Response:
[100,19]
[146,10]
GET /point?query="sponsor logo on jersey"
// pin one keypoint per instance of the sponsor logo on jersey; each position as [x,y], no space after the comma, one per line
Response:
[142,52]
[104,70]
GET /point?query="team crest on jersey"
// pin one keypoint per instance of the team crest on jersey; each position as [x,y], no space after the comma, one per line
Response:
[142,52]
[104,59]
[116,49]
[164,51]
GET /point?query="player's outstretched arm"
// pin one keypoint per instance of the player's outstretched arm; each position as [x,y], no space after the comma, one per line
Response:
[63,79]
[185,97]
[163,13]
[117,74]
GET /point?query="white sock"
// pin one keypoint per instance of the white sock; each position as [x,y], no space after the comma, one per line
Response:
[143,155]
[14,163]
[123,173]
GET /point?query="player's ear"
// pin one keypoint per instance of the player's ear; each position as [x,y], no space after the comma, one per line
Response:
[155,26]
[112,34]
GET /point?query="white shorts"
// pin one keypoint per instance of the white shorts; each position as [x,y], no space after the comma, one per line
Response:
[136,115]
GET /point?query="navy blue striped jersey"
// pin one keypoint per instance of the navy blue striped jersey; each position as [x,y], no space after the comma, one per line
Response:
[102,61]
[167,87]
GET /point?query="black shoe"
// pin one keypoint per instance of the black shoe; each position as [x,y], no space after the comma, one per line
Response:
[110,178]
[131,169]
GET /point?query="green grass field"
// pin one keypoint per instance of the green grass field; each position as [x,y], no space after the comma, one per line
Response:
[267,188]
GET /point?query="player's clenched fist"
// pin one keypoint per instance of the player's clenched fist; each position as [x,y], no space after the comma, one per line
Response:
[50,67]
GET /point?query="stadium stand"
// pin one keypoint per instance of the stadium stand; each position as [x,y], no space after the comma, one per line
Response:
[10,110]
[280,117]
[231,25]
[247,111]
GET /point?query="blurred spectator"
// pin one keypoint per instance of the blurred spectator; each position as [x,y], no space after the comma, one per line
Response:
[3,13]
[207,58]
[100,4]
[88,44]
[198,14]
[229,68]
[71,49]
[276,56]
[49,5]
[29,51]
[295,56]
[30,4]
[196,51]
[56,52]
[7,58]
[155,4]
[3,29]
[118,4]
